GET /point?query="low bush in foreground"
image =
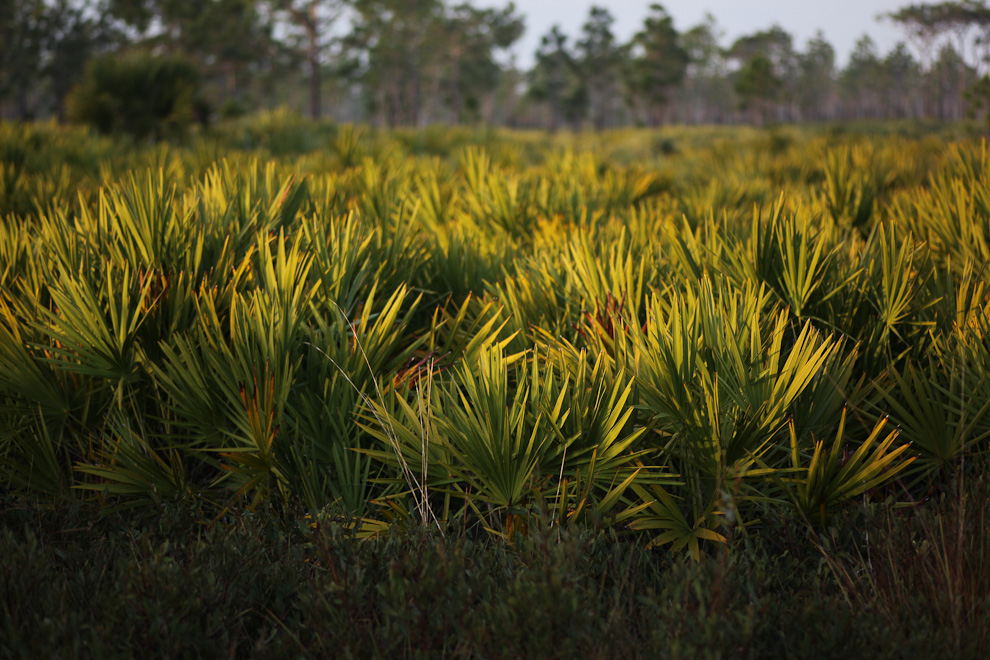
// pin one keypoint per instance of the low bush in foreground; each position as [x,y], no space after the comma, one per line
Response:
[74,584]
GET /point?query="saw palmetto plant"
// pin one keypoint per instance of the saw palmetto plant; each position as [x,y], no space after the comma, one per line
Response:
[497,334]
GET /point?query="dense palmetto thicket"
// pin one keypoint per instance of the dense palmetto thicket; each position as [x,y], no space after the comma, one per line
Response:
[665,334]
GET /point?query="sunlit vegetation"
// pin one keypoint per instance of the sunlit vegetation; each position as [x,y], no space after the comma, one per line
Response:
[682,341]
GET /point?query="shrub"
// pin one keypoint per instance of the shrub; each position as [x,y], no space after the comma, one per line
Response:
[138,93]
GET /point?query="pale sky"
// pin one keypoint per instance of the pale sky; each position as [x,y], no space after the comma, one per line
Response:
[842,21]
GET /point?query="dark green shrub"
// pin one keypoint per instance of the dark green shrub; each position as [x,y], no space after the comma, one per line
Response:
[232,109]
[137,93]
[78,583]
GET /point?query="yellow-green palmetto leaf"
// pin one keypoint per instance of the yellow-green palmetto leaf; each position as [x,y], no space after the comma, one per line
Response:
[663,513]
[128,464]
[832,478]
[93,326]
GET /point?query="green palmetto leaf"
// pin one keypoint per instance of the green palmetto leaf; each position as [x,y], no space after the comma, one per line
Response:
[93,329]
[562,438]
[20,273]
[663,513]
[815,410]
[807,260]
[382,186]
[619,276]
[408,434]
[96,327]
[344,258]
[143,219]
[600,445]
[351,364]
[790,255]
[941,410]
[897,277]
[537,299]
[576,501]
[229,381]
[473,327]
[493,447]
[497,199]
[950,213]
[130,465]
[439,201]
[28,378]
[326,466]
[573,183]
[831,478]
[849,193]
[715,376]
[244,199]
[34,456]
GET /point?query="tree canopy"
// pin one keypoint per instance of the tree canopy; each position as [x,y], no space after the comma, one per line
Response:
[418,62]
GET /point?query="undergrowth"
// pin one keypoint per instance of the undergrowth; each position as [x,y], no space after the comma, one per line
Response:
[76,584]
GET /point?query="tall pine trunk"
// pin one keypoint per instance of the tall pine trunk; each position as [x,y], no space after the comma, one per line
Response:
[315,109]
[313,59]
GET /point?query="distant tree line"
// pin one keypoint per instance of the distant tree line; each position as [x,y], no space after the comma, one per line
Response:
[417,62]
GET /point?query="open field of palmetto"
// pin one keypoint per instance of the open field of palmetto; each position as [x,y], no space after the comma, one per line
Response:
[758,361]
